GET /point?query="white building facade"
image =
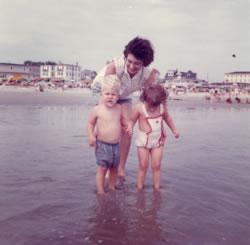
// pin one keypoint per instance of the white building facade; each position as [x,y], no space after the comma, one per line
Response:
[66,72]
[184,79]
[8,70]
[241,78]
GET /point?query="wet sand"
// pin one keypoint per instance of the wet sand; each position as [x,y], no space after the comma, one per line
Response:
[47,178]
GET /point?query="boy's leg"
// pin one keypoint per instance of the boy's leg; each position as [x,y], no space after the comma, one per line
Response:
[112,178]
[125,140]
[143,155]
[156,154]
[100,178]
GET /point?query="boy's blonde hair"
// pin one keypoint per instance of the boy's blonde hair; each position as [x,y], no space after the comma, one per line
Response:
[112,82]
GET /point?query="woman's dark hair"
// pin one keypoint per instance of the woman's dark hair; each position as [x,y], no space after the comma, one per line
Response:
[154,95]
[142,49]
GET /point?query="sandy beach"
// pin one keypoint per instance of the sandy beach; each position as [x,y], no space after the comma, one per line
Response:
[29,96]
[11,95]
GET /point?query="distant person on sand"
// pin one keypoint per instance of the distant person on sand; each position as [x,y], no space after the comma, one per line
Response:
[229,100]
[207,98]
[106,117]
[41,89]
[134,72]
[237,99]
[150,114]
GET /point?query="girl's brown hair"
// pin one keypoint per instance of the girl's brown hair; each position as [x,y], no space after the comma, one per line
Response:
[154,95]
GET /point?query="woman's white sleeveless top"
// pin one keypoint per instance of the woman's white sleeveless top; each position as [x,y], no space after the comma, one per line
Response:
[128,84]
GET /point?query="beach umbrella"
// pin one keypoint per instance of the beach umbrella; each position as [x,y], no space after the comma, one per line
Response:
[87,81]
[16,78]
[42,83]
[22,80]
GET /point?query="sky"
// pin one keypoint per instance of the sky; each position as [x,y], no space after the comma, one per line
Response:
[196,35]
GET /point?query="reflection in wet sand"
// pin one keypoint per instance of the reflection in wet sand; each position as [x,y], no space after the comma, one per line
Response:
[108,223]
[137,222]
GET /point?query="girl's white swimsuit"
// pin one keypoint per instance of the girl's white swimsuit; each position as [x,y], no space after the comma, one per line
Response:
[153,138]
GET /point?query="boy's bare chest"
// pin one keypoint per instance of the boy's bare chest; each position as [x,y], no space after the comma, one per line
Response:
[110,116]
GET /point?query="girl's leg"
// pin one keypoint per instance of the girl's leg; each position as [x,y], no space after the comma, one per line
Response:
[156,154]
[112,178]
[100,178]
[143,155]
[125,139]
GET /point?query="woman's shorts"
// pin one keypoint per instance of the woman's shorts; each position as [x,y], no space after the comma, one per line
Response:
[107,154]
[126,100]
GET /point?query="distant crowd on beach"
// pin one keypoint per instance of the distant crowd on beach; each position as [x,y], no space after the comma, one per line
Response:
[229,96]
[43,87]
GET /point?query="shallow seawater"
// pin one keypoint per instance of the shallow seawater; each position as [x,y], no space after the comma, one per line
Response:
[47,181]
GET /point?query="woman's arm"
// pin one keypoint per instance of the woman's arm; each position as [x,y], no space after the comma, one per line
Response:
[133,120]
[153,77]
[96,85]
[110,70]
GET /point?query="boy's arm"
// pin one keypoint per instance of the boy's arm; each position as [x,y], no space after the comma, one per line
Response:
[167,118]
[133,119]
[91,127]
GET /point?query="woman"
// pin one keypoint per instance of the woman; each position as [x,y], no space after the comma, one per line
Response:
[134,73]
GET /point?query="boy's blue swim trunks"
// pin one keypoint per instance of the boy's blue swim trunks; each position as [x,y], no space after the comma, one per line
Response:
[107,154]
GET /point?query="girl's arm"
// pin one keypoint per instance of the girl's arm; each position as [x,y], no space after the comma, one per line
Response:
[133,120]
[167,118]
[91,127]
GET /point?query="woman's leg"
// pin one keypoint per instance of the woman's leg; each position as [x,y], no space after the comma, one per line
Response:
[125,139]
[143,155]
[156,154]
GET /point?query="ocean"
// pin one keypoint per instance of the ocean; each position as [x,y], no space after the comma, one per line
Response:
[47,180]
